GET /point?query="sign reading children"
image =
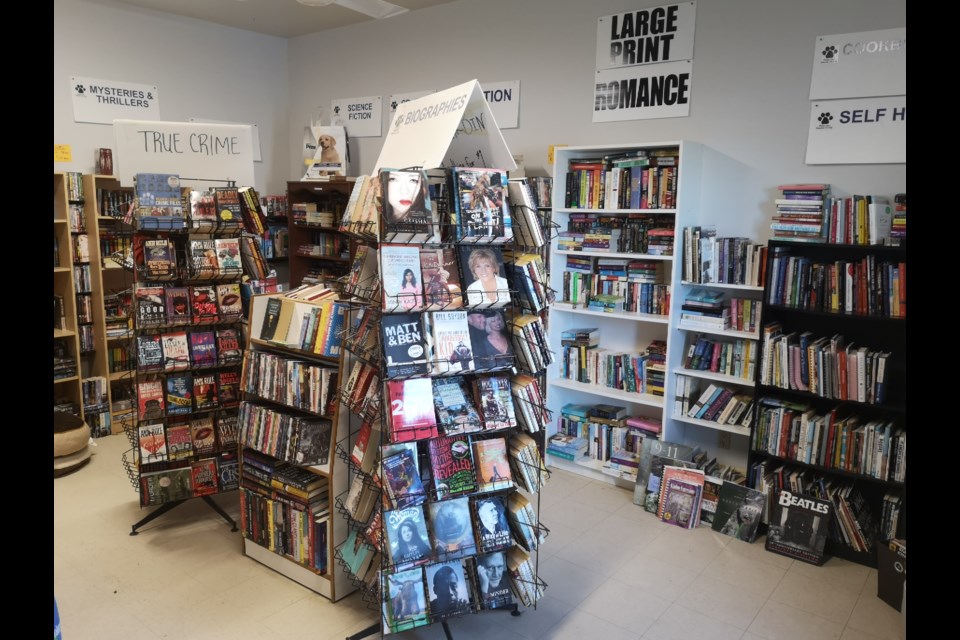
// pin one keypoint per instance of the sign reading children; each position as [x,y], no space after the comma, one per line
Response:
[646,36]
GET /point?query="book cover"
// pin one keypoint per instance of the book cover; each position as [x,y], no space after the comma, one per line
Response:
[159,259]
[451,527]
[496,402]
[179,441]
[229,300]
[739,509]
[404,600]
[650,448]
[203,304]
[406,531]
[710,499]
[483,276]
[203,258]
[448,589]
[179,393]
[312,442]
[149,353]
[493,581]
[228,430]
[177,305]
[152,441]
[165,486]
[490,339]
[203,477]
[404,345]
[150,308]
[452,350]
[493,530]
[228,471]
[205,391]
[407,207]
[203,210]
[203,349]
[271,318]
[680,502]
[150,399]
[799,526]
[228,388]
[493,468]
[228,204]
[228,346]
[412,414]
[483,210]
[441,278]
[402,480]
[451,462]
[455,407]
[228,257]
[204,437]
[401,277]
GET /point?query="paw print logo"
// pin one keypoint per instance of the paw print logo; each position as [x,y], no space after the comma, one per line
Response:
[80,89]
[393,105]
[829,54]
[824,118]
[336,109]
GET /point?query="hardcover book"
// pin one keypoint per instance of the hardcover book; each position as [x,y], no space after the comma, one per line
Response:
[496,402]
[455,408]
[449,590]
[312,446]
[407,207]
[493,530]
[402,480]
[493,468]
[203,349]
[493,580]
[482,207]
[451,527]
[739,510]
[441,278]
[491,340]
[404,600]
[452,350]
[271,319]
[451,461]
[799,526]
[681,502]
[483,276]
[406,531]
[401,277]
[412,415]
[404,345]
[178,305]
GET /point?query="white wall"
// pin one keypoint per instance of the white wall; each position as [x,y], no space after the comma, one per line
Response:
[751,79]
[201,70]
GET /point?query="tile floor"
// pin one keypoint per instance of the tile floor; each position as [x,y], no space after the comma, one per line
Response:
[613,570]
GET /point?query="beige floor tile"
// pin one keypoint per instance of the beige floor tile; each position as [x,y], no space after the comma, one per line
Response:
[596,550]
[681,623]
[721,601]
[815,596]
[616,602]
[690,549]
[849,633]
[602,496]
[873,616]
[652,576]
[559,538]
[568,582]
[782,622]
[575,515]
[759,578]
[533,623]
[755,551]
[839,573]
[580,625]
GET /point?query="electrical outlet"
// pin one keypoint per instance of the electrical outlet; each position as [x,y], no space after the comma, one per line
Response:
[723,439]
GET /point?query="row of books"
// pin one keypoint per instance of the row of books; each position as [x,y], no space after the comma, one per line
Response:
[93,392]
[727,260]
[312,323]
[301,441]
[82,282]
[867,287]
[875,448]
[631,233]
[166,306]
[187,393]
[114,202]
[162,204]
[206,258]
[295,383]
[81,247]
[633,373]
[626,182]
[715,403]
[826,367]
[180,350]
[182,440]
[285,527]
[616,286]
[737,358]
[198,478]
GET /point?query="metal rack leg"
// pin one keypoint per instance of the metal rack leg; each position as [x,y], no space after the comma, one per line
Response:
[162,509]
[446,630]
[223,514]
[372,629]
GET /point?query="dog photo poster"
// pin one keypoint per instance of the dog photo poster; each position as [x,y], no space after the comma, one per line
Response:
[329,152]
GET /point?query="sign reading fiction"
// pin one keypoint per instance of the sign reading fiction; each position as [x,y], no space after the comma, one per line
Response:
[636,93]
[646,36]
[453,127]
[361,117]
[192,150]
[103,101]
[504,101]
[860,65]
[859,131]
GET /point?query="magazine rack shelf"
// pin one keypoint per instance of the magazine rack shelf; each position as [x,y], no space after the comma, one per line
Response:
[375,506]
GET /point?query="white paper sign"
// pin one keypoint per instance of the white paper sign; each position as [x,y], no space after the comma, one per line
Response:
[640,92]
[103,101]
[646,36]
[362,117]
[860,65]
[504,100]
[859,131]
[453,127]
[254,133]
[398,99]
[195,151]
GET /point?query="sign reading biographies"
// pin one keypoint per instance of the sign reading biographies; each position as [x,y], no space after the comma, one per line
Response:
[640,92]
[103,101]
[646,36]
[860,65]
[362,117]
[858,131]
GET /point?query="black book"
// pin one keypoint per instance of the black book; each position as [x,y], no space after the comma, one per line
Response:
[799,527]
[404,345]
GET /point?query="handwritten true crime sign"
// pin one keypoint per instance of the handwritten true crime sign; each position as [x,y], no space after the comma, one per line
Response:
[647,36]
[202,151]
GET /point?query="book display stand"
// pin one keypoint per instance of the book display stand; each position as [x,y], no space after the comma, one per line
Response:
[187,312]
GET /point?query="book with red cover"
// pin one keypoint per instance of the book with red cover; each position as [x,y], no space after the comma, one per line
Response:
[412,416]
[204,476]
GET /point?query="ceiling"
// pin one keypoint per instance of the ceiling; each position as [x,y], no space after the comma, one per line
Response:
[283,18]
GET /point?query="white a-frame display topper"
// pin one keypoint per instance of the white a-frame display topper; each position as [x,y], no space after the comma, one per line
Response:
[450,128]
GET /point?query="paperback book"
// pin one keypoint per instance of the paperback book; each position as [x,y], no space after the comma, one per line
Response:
[799,526]
[455,408]
[451,461]
[739,509]
[452,529]
[404,345]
